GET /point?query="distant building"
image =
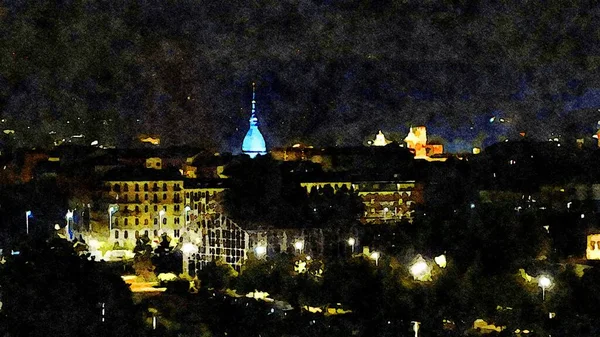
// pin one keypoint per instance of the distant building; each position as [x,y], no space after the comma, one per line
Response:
[380,140]
[222,239]
[385,201]
[254,142]
[417,141]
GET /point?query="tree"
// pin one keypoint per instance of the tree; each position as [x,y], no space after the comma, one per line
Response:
[48,290]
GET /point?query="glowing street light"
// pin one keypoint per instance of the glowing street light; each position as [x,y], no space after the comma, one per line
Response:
[544,282]
[299,245]
[416,326]
[161,215]
[260,250]
[420,270]
[68,216]
[351,243]
[375,256]
[27,216]
[111,211]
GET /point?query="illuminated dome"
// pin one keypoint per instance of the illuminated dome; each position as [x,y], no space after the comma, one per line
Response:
[380,140]
[254,142]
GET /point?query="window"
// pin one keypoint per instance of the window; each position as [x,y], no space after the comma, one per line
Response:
[137,208]
[187,194]
[176,208]
[126,188]
[125,222]
[125,235]
[164,196]
[137,197]
[146,196]
[156,198]
[155,232]
[146,187]
[117,188]
[146,208]
[137,187]
[146,233]
[155,188]
[155,221]
[164,221]
[164,187]
[137,221]
[145,222]
[592,245]
[116,234]
[176,233]
[125,198]
[156,208]
[176,221]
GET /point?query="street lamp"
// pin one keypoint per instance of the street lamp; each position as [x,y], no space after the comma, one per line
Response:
[111,211]
[299,245]
[187,249]
[260,250]
[420,270]
[351,243]
[161,214]
[27,216]
[68,216]
[544,282]
[187,215]
[375,256]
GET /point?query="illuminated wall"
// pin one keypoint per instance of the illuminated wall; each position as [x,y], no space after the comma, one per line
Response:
[222,239]
[592,251]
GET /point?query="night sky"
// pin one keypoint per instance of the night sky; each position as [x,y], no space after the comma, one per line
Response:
[327,72]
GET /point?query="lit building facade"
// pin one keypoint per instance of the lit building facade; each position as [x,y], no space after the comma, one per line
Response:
[144,207]
[385,201]
[222,239]
[417,141]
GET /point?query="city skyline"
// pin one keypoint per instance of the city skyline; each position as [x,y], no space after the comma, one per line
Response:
[327,73]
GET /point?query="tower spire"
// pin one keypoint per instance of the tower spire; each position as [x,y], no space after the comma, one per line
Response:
[254,143]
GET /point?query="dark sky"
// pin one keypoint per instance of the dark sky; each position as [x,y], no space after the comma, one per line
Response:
[327,72]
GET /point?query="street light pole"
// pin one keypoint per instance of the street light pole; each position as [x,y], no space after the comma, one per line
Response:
[27,216]
[351,242]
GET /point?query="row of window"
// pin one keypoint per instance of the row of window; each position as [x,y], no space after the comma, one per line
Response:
[136,187]
[176,221]
[176,233]
[176,208]
[176,197]
[197,195]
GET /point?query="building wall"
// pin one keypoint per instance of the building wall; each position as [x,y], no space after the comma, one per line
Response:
[222,239]
[139,204]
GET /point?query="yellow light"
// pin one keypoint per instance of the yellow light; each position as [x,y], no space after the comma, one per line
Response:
[440,260]
[351,241]
[299,245]
[418,268]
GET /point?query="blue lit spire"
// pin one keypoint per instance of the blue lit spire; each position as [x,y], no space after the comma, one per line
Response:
[254,143]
